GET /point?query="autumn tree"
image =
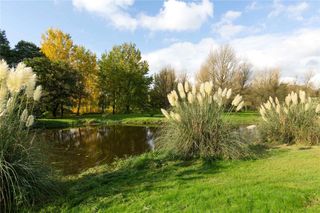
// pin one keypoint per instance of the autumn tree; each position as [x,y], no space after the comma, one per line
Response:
[85,62]
[163,83]
[57,45]
[123,78]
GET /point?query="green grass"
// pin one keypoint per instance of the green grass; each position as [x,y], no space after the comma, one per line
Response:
[287,179]
[244,118]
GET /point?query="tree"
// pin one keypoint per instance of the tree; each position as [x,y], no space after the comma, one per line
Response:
[58,82]
[24,50]
[123,78]
[85,62]
[266,83]
[57,45]
[163,83]
[5,52]
[225,70]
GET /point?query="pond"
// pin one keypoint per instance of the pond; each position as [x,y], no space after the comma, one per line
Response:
[77,149]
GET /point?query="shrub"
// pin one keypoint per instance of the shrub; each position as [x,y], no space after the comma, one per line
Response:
[21,179]
[195,126]
[292,122]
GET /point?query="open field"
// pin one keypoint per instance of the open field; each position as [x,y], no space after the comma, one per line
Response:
[245,118]
[286,179]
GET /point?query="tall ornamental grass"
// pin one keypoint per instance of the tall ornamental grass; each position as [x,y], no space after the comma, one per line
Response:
[296,121]
[195,126]
[21,179]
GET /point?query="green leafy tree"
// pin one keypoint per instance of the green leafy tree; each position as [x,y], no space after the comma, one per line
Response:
[24,50]
[123,78]
[5,52]
[58,82]
[163,83]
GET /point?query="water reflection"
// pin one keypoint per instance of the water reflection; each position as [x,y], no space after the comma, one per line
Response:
[74,150]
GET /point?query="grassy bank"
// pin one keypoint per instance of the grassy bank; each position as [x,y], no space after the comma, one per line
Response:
[285,180]
[245,118]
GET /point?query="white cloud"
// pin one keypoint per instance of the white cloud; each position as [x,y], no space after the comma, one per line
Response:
[178,16]
[293,53]
[294,11]
[111,10]
[175,15]
[226,28]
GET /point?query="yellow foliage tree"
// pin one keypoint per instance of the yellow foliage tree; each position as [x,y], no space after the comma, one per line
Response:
[57,45]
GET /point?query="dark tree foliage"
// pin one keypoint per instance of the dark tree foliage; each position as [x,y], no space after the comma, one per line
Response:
[24,50]
[5,52]
[60,83]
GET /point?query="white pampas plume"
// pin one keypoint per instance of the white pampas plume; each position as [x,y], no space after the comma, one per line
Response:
[177,117]
[210,99]
[3,70]
[10,104]
[186,86]
[318,108]
[30,85]
[208,88]
[165,113]
[171,99]
[190,98]
[181,91]
[288,100]
[199,97]
[294,98]
[224,92]
[219,91]
[229,93]
[285,110]
[24,115]
[14,81]
[194,89]
[302,96]
[202,90]
[236,100]
[267,105]
[277,101]
[37,93]
[271,101]
[240,106]
[3,94]
[30,121]
[262,111]
[307,107]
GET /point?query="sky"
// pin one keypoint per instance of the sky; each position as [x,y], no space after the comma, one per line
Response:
[180,33]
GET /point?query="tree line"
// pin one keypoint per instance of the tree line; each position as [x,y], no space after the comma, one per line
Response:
[76,81]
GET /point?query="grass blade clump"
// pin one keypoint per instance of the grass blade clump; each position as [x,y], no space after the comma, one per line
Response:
[21,179]
[296,121]
[195,126]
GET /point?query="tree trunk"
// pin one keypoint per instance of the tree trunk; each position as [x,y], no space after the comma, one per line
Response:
[54,110]
[79,106]
[113,109]
[61,110]
[127,109]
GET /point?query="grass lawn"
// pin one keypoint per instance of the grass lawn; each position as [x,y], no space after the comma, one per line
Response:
[245,118]
[286,179]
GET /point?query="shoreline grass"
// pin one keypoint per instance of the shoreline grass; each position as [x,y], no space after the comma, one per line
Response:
[243,118]
[286,179]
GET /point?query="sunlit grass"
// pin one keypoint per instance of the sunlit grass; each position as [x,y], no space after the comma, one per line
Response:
[285,180]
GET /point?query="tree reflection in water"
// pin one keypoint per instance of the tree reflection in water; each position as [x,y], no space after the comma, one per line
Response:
[76,149]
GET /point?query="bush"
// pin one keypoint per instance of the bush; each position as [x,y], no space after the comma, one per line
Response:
[195,127]
[22,180]
[296,121]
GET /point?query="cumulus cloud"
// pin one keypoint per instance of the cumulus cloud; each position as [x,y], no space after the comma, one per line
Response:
[175,15]
[293,53]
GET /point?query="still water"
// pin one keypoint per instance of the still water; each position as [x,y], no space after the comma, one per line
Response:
[77,149]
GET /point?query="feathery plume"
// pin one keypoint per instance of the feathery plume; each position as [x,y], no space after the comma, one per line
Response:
[302,96]
[208,88]
[190,98]
[37,93]
[24,115]
[236,100]
[181,91]
[186,86]
[240,106]
[318,108]
[3,70]
[229,93]
[30,121]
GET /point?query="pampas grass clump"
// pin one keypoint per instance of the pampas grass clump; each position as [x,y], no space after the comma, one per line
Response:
[296,121]
[195,127]
[21,180]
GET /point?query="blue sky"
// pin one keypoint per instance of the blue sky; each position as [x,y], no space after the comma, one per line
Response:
[179,33]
